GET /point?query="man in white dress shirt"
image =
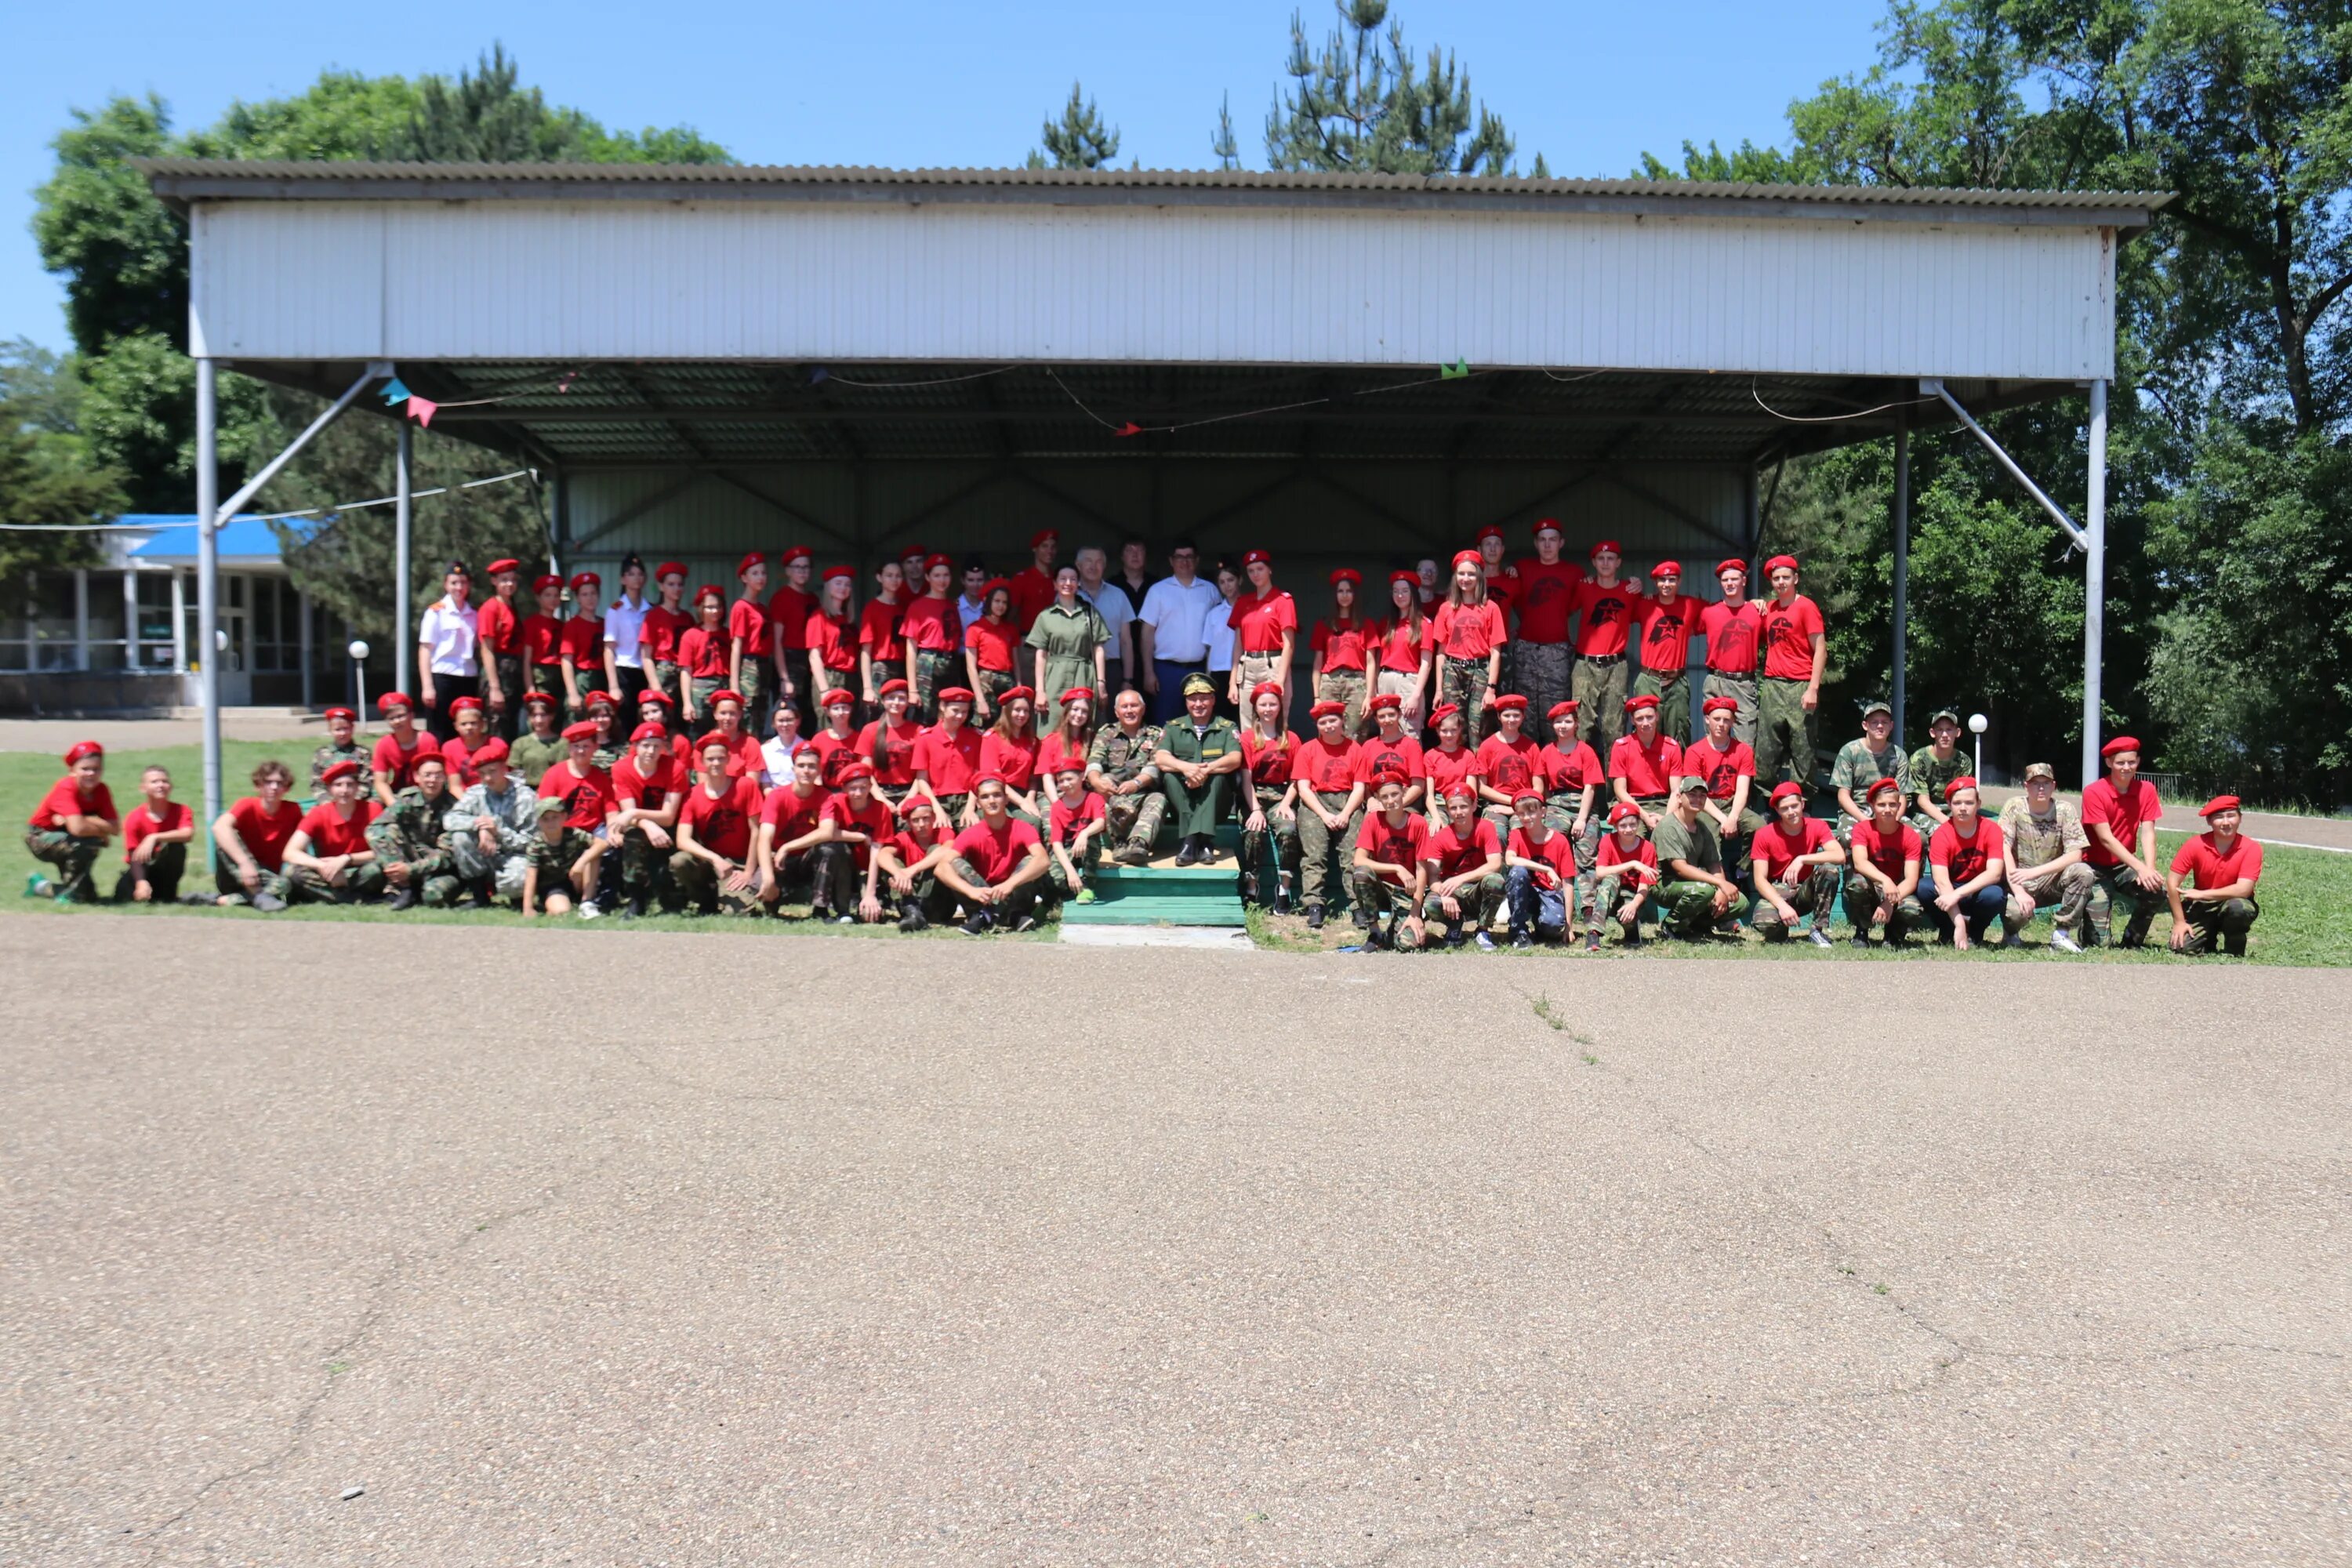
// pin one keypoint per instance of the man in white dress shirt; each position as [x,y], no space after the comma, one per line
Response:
[1110,602]
[449,650]
[1172,632]
[624,626]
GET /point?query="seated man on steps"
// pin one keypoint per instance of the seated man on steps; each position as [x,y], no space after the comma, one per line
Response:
[1199,756]
[1120,768]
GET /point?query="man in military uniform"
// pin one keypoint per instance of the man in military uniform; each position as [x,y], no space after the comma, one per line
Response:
[2042,845]
[1692,889]
[1934,766]
[492,826]
[1863,761]
[408,839]
[342,746]
[561,865]
[1198,756]
[1120,768]
[542,744]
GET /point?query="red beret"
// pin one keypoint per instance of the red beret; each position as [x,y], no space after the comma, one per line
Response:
[711,738]
[669,569]
[727,694]
[751,559]
[1077,694]
[1881,787]
[346,769]
[1636,703]
[1510,702]
[1719,705]
[1327,709]
[931,561]
[594,697]
[992,585]
[1390,776]
[1255,557]
[1623,812]
[585,580]
[340,713]
[2219,803]
[1265,689]
[81,749]
[1526,795]
[1387,703]
[583,730]
[1601,544]
[1965,780]
[534,695]
[1562,710]
[654,694]
[849,572]
[647,732]
[999,780]
[1405,574]
[907,552]
[710,591]
[1667,569]
[855,768]
[392,700]
[1739,566]
[1488,533]
[1045,536]
[888,687]
[490,751]
[1346,574]
[1778,561]
[2120,743]
[840,696]
[1546,522]
[795,552]
[1786,789]
[462,704]
[1443,711]
[503,564]
[955,694]
[1468,558]
[1025,693]
[545,580]
[1462,791]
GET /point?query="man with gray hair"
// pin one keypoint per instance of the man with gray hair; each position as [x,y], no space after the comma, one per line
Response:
[2043,843]
[1111,603]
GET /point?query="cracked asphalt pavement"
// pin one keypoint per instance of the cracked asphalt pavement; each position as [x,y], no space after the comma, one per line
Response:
[605,1247]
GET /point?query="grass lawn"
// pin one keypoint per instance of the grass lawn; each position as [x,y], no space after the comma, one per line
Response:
[2304,894]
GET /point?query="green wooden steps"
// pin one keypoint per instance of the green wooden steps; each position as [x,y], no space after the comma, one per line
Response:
[1164,893]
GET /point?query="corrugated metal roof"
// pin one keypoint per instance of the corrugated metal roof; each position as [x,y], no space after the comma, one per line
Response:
[184,179]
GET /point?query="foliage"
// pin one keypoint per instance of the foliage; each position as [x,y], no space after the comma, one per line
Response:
[47,475]
[124,254]
[1362,106]
[1078,140]
[1221,146]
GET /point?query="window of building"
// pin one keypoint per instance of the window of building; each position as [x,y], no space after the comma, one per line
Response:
[53,643]
[16,621]
[154,629]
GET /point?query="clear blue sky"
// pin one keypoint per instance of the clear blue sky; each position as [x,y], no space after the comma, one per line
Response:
[923,83]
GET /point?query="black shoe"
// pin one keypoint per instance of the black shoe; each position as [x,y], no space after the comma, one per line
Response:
[1592,942]
[1633,935]
[1457,937]
[914,919]
[635,910]
[401,899]
[1861,941]
[1025,924]
[1314,917]
[1364,919]
[267,903]
[1204,850]
[978,925]
[1185,854]
[1282,903]
[1520,942]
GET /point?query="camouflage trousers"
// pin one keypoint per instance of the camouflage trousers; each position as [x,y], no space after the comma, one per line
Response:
[752,686]
[1031,897]
[359,884]
[699,886]
[1462,682]
[547,677]
[162,874]
[1560,816]
[2227,922]
[2069,891]
[1132,822]
[1784,734]
[500,876]
[1672,693]
[432,873]
[1345,687]
[1270,854]
[1619,898]
[933,672]
[1688,907]
[701,687]
[1740,688]
[993,685]
[1479,901]
[2118,888]
[1814,894]
[644,866]
[507,725]
[273,883]
[1375,897]
[1862,901]
[72,856]
[1599,702]
[1547,677]
[837,882]
[1325,860]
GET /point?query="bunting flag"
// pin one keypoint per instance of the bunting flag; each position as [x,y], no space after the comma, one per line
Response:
[1454,372]
[565,386]
[1129,428]
[422,409]
[393,392]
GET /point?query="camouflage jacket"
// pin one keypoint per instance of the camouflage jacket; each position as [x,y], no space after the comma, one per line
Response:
[1930,777]
[553,861]
[1856,768]
[1121,758]
[410,831]
[529,757]
[2038,840]
[515,813]
[327,756]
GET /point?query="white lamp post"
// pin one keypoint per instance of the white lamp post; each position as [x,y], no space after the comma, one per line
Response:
[359,652]
[1977,722]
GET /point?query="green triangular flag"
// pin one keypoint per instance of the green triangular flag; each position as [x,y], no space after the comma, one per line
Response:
[1453,371]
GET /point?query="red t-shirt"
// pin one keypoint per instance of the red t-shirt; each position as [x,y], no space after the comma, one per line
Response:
[991,643]
[1774,849]
[1446,769]
[1733,636]
[949,762]
[646,791]
[1721,770]
[265,835]
[1510,766]
[583,642]
[2205,868]
[1341,645]
[1565,772]
[1607,612]
[1328,769]
[1032,591]
[1065,820]
[744,758]
[1546,599]
[704,653]
[398,766]
[142,824]
[877,632]
[2122,814]
[1269,763]
[722,824]
[1644,854]
[1258,623]
[542,639]
[791,813]
[790,609]
[1471,631]
[892,749]
[1666,633]
[1407,846]
[332,835]
[748,621]
[1455,853]
[65,799]
[1964,858]
[1788,638]
[996,853]
[1380,754]
[908,848]
[1399,645]
[834,641]
[1052,752]
[875,822]
[459,758]
[1889,851]
[1016,760]
[932,624]
[659,634]
[1647,770]
[588,795]
[498,628]
[832,750]
[1555,852]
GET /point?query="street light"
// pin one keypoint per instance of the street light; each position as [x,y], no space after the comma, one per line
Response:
[359,652]
[1977,722]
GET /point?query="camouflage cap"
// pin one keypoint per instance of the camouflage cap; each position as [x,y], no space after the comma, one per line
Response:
[1878,705]
[1943,716]
[553,805]
[2041,771]
[1689,782]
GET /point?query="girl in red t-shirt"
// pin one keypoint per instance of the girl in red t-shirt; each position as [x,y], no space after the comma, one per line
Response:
[1402,649]
[1469,633]
[1342,647]
[1450,763]
[1010,750]
[836,745]
[1269,819]
[989,643]
[881,652]
[1071,740]
[833,635]
[705,652]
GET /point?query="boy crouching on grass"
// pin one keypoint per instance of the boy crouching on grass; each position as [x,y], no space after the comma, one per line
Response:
[155,838]
[561,866]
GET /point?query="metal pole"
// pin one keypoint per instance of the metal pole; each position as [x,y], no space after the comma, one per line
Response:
[2094,584]
[227,509]
[1902,572]
[208,592]
[2057,513]
[404,513]
[303,608]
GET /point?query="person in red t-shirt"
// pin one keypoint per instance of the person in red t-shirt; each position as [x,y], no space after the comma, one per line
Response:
[789,609]
[541,635]
[947,760]
[1623,874]
[1391,868]
[580,650]
[1663,623]
[747,633]
[1883,878]
[251,838]
[745,760]
[703,657]
[888,743]
[1265,624]
[1539,876]
[1469,636]
[1965,858]
[906,879]
[499,629]
[990,646]
[1606,606]
[1509,760]
[1734,630]
[585,789]
[791,828]
[881,650]
[1795,859]
[1268,808]
[1729,766]
[999,869]
[666,621]
[1573,783]
[1390,748]
[1403,650]
[1328,788]
[1342,648]
[712,869]
[1644,765]
[831,637]
[398,747]
[2212,881]
[933,630]
[1466,871]
[1009,749]
[1546,597]
[836,743]
[1449,762]
[155,838]
[1789,698]
[649,788]
[1074,830]
[853,821]
[1033,586]
[73,824]
[330,860]
[2119,816]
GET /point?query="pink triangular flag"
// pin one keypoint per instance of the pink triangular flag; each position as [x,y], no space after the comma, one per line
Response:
[423,408]
[1129,428]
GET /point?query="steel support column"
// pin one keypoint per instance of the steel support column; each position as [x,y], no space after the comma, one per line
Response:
[1901,575]
[2094,584]
[208,592]
[404,516]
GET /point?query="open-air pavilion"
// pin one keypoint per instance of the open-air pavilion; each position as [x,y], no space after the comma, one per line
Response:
[707,360]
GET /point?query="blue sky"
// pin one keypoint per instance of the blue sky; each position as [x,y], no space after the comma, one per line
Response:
[921,83]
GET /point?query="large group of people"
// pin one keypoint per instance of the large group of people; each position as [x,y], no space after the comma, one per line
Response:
[1499,751]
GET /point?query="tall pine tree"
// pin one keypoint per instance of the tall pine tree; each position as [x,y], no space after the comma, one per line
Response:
[1078,140]
[1361,106]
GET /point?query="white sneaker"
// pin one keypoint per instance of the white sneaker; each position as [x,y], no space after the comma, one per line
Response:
[1818,936]
[589,911]
[2063,941]
[1486,943]
[845,920]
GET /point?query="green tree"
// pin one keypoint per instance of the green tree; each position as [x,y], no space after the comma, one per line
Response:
[46,477]
[124,253]
[1361,106]
[1078,140]
[1221,146]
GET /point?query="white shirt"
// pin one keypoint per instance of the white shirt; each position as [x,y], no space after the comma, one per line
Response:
[1180,618]
[969,613]
[780,756]
[624,624]
[1111,603]
[451,636]
[1221,636]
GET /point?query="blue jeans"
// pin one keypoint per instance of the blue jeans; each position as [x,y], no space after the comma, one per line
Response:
[1543,909]
[1978,909]
[1171,673]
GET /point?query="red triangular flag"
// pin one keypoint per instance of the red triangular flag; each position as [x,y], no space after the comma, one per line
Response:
[422,409]
[1129,428]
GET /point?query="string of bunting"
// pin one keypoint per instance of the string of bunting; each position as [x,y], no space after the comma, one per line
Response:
[423,409]
[1458,371]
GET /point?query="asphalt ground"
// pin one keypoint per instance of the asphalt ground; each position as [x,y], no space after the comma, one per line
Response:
[589,1248]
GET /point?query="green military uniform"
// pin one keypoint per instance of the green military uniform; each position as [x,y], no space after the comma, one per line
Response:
[1462,682]
[1931,777]
[1815,893]
[1785,732]
[528,757]
[2226,924]
[512,816]
[2037,841]
[1198,811]
[327,756]
[1130,821]
[1068,639]
[410,832]
[1689,906]
[74,858]
[1856,767]
[1598,687]
[554,860]
[933,671]
[359,884]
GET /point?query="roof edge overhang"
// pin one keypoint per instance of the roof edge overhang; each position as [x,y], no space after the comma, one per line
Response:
[183,182]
